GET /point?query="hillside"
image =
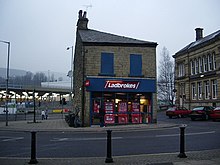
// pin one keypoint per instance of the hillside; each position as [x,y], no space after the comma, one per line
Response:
[19,72]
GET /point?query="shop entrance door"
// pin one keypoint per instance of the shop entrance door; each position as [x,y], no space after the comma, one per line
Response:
[96,110]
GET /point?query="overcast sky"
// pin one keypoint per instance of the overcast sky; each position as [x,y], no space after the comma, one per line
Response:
[41,30]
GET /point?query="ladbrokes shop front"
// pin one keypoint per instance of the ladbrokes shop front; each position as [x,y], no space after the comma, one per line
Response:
[121,101]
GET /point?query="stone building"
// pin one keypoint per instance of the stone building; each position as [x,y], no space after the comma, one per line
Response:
[197,71]
[114,77]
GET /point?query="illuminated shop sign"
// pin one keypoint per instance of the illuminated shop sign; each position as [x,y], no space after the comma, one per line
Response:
[121,84]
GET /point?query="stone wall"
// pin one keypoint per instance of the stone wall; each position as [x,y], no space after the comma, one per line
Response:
[92,64]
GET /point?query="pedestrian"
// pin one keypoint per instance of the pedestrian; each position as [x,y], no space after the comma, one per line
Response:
[43,114]
[46,114]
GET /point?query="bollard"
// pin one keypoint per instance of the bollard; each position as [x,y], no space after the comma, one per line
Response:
[33,148]
[109,147]
[182,142]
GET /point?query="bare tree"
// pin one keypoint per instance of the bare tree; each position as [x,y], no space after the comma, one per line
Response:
[165,83]
[38,78]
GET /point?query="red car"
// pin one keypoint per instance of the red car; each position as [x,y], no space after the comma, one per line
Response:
[215,114]
[201,112]
[177,112]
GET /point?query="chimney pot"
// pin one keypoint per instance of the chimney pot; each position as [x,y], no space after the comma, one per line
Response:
[199,33]
[84,14]
[82,22]
[80,14]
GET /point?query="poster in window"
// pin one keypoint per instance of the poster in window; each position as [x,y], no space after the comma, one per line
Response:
[96,106]
[122,107]
[109,118]
[109,107]
[135,107]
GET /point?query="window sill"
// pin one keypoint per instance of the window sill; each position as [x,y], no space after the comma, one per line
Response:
[135,75]
[106,74]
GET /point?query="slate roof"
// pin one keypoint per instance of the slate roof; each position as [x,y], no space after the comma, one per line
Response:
[201,42]
[94,37]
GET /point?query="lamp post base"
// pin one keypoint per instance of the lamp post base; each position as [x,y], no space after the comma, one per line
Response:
[182,155]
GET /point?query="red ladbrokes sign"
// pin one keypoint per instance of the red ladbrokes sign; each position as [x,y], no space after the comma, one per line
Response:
[121,84]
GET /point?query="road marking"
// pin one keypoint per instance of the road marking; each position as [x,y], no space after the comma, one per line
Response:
[188,134]
[83,139]
[7,138]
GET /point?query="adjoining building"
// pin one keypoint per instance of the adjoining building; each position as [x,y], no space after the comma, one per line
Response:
[115,76]
[197,67]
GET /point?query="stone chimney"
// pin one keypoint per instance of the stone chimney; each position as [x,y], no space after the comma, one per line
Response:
[199,33]
[82,23]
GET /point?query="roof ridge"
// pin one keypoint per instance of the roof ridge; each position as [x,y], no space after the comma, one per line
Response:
[95,36]
[199,42]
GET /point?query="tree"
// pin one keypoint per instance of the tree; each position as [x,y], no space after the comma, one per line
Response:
[165,83]
[38,78]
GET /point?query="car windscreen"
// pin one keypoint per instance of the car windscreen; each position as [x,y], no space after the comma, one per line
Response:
[217,109]
[172,109]
[198,109]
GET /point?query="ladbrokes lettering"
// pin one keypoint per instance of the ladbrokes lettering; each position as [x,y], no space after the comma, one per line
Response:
[121,85]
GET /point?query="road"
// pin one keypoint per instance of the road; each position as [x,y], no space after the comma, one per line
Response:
[200,135]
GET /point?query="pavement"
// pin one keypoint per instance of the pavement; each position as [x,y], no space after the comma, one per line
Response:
[205,157]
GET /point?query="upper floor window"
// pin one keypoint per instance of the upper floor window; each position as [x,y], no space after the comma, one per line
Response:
[181,70]
[214,61]
[210,62]
[200,65]
[207,89]
[214,89]
[196,66]
[199,85]
[107,64]
[205,63]
[192,63]
[193,91]
[135,65]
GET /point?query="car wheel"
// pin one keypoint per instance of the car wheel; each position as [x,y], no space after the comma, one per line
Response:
[193,119]
[170,117]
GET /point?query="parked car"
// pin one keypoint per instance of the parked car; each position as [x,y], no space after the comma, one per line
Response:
[177,112]
[215,114]
[201,112]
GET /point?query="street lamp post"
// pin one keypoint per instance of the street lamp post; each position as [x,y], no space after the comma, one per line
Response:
[71,74]
[7,79]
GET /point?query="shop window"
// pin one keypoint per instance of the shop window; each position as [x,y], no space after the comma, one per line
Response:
[107,64]
[121,108]
[136,65]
